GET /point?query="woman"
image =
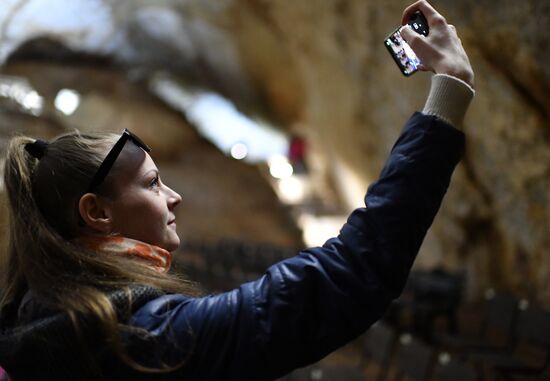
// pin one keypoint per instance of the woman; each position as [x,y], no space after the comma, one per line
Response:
[87,293]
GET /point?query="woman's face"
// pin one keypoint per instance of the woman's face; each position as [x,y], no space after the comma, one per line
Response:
[143,208]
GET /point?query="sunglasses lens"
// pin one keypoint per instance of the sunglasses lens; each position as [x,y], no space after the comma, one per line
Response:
[111,157]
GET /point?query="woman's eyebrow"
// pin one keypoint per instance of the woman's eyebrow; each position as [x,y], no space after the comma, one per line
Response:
[154,170]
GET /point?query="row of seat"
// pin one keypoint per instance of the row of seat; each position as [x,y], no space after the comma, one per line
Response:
[512,339]
[226,264]
[512,342]
[405,356]
[388,355]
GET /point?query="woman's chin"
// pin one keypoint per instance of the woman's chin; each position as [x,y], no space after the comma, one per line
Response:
[171,246]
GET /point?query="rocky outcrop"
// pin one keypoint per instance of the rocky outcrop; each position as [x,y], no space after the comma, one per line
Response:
[352,101]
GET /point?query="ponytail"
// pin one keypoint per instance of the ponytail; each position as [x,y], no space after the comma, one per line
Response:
[18,168]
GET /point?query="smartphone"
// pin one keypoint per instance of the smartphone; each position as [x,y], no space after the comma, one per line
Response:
[401,52]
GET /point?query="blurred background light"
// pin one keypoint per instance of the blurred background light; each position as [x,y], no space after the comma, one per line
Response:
[279,167]
[317,229]
[67,101]
[32,102]
[217,119]
[20,91]
[239,151]
[292,190]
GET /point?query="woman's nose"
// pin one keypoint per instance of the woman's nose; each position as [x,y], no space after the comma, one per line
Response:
[174,198]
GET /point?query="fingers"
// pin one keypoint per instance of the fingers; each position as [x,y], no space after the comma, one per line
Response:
[422,5]
[418,44]
[416,41]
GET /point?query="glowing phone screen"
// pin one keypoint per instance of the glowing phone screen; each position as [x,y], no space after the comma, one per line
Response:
[402,53]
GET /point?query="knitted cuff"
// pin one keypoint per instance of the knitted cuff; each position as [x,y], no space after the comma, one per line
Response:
[449,99]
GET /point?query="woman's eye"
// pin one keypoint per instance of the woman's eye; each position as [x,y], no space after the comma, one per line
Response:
[154,183]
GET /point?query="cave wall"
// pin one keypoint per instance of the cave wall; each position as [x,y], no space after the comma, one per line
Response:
[322,65]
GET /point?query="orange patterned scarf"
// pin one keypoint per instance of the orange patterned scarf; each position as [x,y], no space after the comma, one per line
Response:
[159,258]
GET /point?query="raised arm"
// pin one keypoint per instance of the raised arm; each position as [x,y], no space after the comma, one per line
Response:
[311,304]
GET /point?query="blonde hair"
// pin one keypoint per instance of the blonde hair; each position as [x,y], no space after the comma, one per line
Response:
[43,217]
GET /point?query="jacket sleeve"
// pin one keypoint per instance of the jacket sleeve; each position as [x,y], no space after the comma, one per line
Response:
[311,304]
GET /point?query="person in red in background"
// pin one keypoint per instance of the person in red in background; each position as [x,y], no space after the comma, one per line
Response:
[87,294]
[297,154]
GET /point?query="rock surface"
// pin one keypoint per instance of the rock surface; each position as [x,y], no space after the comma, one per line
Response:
[321,67]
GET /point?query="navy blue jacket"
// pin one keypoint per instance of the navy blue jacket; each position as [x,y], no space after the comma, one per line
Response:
[309,305]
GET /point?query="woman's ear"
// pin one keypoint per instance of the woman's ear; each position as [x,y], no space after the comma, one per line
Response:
[95,213]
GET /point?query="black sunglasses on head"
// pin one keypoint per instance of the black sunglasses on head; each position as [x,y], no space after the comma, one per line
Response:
[113,154]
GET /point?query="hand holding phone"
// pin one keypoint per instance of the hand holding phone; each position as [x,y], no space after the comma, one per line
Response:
[402,53]
[441,51]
